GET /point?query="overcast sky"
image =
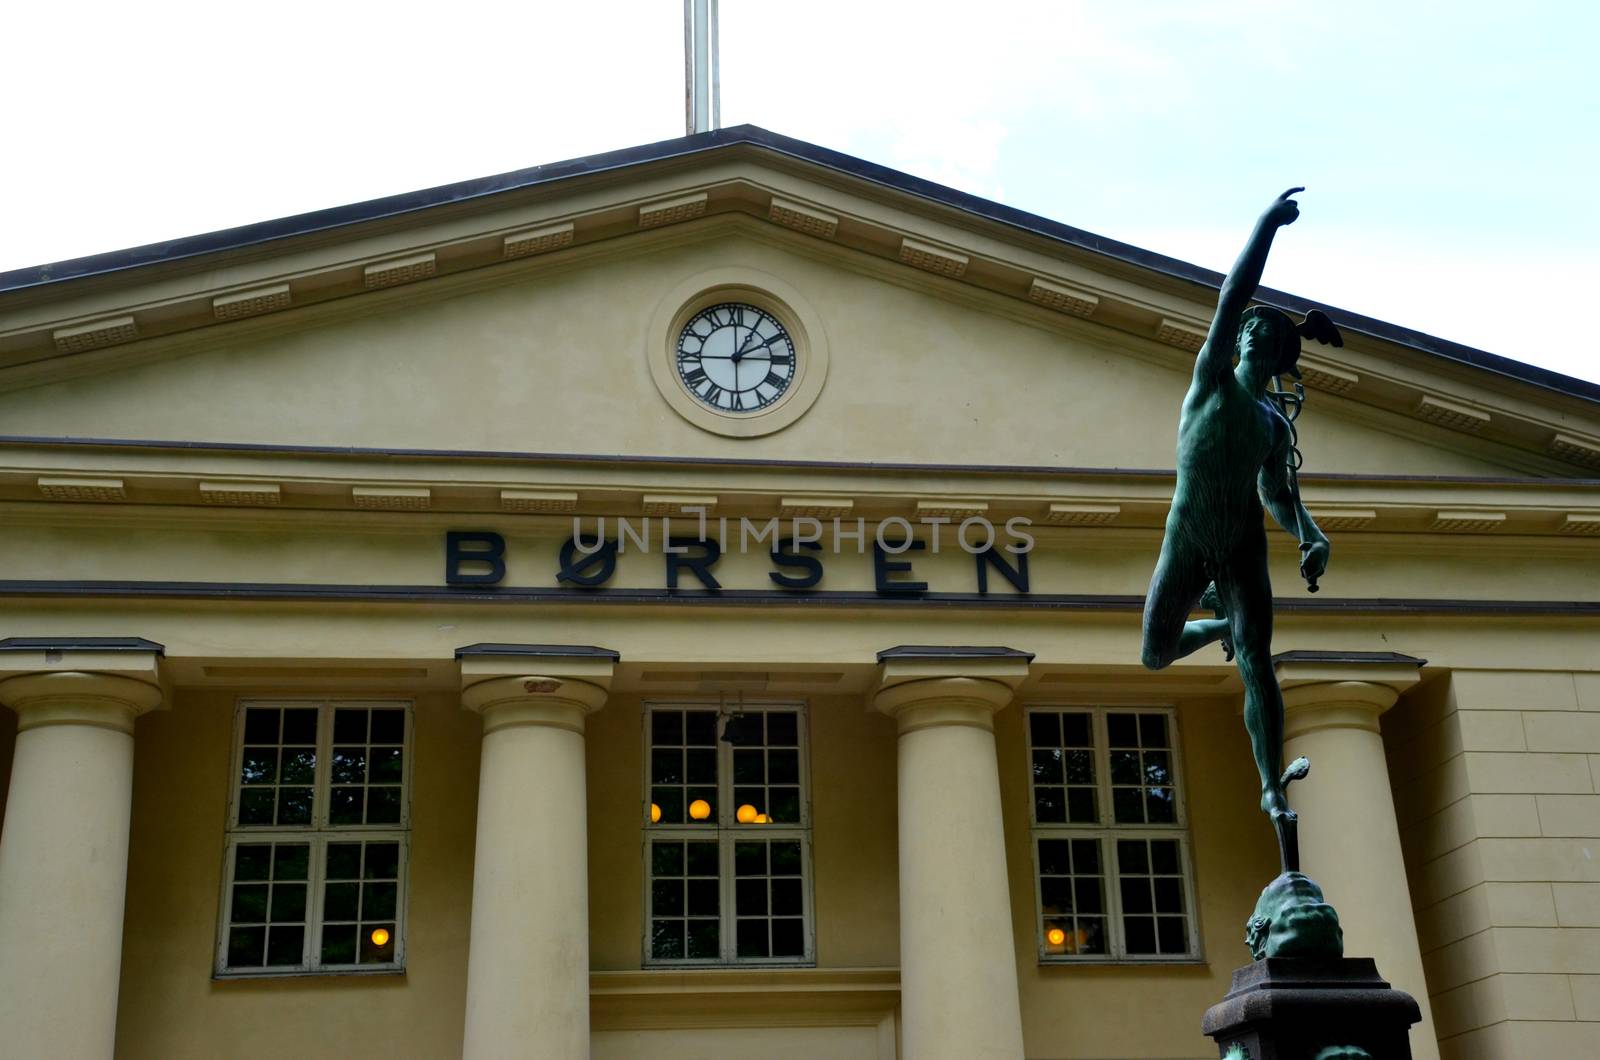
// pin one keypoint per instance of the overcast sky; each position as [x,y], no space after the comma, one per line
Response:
[1449,149]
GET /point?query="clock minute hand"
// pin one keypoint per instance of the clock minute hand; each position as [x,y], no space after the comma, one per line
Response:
[744,347]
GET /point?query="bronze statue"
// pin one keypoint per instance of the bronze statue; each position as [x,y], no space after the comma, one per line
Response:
[1236,454]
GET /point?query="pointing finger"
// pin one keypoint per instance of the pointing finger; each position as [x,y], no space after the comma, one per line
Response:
[1291,191]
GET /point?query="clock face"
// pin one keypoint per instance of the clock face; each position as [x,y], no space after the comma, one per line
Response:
[735,358]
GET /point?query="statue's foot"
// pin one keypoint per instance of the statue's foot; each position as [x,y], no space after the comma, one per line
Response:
[1275,804]
[1299,769]
[1212,600]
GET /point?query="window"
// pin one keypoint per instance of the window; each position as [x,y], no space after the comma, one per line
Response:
[1110,844]
[318,820]
[728,836]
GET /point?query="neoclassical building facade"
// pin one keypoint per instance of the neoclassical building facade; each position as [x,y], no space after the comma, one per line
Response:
[685,603]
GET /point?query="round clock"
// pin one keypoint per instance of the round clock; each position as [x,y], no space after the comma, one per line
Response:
[735,357]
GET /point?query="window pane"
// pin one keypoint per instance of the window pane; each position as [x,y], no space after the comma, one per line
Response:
[785,805]
[256,805]
[1122,730]
[249,903]
[1044,728]
[786,897]
[299,766]
[666,859]
[1164,856]
[285,945]
[1076,730]
[1133,857]
[1086,856]
[666,728]
[382,861]
[750,859]
[666,940]
[704,940]
[1049,805]
[788,937]
[1053,857]
[387,764]
[783,767]
[750,898]
[1171,935]
[1169,894]
[703,859]
[749,767]
[1081,806]
[1125,767]
[345,806]
[670,802]
[372,952]
[339,944]
[341,901]
[349,725]
[1080,767]
[753,938]
[258,765]
[378,901]
[700,728]
[288,902]
[1136,895]
[1159,806]
[1127,805]
[252,861]
[349,765]
[786,858]
[300,725]
[666,897]
[247,947]
[291,861]
[1047,767]
[383,805]
[700,765]
[261,725]
[294,806]
[1071,897]
[666,766]
[344,861]
[704,897]
[1153,730]
[783,728]
[1140,933]
[388,726]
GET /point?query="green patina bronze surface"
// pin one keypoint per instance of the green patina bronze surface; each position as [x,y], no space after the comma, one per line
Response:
[1293,920]
[1237,455]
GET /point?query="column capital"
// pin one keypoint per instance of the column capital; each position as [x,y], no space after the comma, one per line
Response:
[535,684]
[1328,689]
[104,682]
[922,686]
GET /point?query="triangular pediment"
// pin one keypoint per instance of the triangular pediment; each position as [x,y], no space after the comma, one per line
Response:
[533,318]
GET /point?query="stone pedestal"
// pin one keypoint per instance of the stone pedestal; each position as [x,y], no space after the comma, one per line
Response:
[1285,1008]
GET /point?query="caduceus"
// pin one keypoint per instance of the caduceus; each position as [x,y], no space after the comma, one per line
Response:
[1237,453]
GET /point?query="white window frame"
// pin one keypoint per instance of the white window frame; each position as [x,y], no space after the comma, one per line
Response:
[317,835]
[1107,830]
[725,830]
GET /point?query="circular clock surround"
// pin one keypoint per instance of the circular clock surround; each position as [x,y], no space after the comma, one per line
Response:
[782,352]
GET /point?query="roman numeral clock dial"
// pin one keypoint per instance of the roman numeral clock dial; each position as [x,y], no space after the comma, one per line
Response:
[735,358]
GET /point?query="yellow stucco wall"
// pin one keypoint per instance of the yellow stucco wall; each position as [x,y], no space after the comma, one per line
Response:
[170,1007]
[558,364]
[1497,777]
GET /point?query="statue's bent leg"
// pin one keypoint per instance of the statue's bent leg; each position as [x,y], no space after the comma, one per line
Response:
[1246,591]
[1175,589]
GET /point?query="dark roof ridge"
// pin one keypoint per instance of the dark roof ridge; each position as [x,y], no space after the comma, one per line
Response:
[409,202]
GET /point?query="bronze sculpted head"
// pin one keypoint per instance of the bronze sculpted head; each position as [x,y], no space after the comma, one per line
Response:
[1293,920]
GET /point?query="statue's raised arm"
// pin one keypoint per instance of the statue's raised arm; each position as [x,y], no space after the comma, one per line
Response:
[1216,356]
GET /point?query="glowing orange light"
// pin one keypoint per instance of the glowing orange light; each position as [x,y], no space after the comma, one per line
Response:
[1055,936]
[747,813]
[380,937]
[655,813]
[699,809]
[762,818]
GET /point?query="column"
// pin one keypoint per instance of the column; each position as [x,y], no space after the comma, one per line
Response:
[958,962]
[528,967]
[1349,837]
[64,849]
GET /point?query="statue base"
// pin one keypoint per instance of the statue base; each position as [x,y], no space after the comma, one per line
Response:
[1295,1008]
